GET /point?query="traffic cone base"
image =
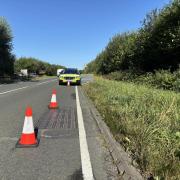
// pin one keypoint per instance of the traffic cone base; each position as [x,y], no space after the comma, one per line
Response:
[19,145]
[53,106]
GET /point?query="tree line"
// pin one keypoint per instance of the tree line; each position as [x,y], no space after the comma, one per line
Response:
[37,66]
[8,62]
[154,46]
[6,57]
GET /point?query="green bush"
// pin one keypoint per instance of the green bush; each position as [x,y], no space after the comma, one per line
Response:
[164,79]
[160,79]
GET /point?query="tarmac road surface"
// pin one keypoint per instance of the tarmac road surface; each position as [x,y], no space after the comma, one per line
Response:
[70,145]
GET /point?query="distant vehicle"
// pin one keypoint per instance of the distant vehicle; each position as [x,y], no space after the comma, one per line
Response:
[70,75]
[32,74]
[24,72]
[59,71]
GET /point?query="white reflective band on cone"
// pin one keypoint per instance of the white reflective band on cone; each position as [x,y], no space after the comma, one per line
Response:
[28,127]
[53,99]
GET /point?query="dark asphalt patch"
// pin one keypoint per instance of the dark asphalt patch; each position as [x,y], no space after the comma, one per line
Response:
[77,175]
[73,95]
[58,123]
[64,118]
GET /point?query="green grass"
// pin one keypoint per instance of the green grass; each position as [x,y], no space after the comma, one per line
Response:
[144,120]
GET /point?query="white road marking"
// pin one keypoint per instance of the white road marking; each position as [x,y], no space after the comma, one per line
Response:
[14,90]
[85,157]
[5,92]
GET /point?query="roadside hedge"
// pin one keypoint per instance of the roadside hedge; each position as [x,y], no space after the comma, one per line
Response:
[153,51]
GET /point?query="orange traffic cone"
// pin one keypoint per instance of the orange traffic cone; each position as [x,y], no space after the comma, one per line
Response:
[53,104]
[68,83]
[28,137]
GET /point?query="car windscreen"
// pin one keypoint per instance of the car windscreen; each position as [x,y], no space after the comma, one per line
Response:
[70,71]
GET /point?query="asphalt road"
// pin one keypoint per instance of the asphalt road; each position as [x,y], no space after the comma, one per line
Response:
[59,154]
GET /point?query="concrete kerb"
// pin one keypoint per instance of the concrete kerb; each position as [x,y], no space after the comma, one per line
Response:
[123,162]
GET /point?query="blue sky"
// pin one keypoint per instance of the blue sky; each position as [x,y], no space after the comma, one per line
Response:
[71,32]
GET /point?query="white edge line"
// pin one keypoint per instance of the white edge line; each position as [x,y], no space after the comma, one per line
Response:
[85,157]
[26,87]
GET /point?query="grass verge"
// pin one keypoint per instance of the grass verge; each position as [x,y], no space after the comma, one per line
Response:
[144,120]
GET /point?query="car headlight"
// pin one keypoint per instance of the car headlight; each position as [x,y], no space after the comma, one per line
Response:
[78,77]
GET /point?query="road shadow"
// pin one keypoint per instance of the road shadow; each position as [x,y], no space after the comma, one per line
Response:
[73,95]
[36,131]
[77,175]
[65,84]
